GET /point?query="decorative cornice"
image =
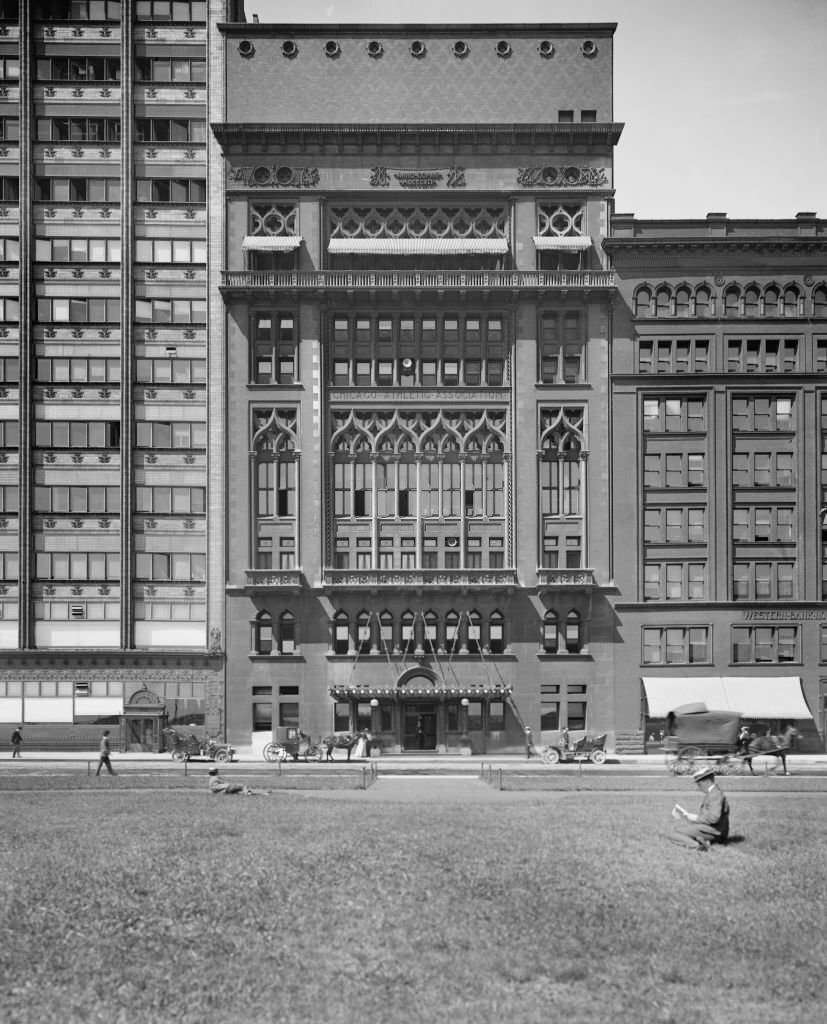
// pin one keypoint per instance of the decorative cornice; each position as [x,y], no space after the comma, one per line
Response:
[258,137]
[617,245]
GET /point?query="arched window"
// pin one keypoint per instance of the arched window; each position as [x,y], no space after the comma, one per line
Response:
[751,302]
[703,302]
[682,301]
[496,639]
[643,302]
[406,621]
[451,632]
[430,639]
[791,301]
[263,633]
[820,301]
[474,628]
[287,633]
[732,302]
[386,630]
[341,633]
[363,644]
[771,297]
[574,639]
[551,632]
[663,302]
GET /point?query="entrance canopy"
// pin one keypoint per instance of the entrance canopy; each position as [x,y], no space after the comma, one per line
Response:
[750,696]
[435,692]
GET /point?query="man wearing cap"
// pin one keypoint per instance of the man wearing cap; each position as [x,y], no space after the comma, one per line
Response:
[711,823]
[221,787]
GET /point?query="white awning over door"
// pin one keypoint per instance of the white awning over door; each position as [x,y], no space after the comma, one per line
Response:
[750,696]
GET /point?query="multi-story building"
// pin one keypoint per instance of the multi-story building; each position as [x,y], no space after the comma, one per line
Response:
[417,330]
[335,395]
[719,353]
[103,241]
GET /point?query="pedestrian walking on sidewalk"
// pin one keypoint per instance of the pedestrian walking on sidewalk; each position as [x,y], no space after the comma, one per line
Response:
[105,751]
[16,741]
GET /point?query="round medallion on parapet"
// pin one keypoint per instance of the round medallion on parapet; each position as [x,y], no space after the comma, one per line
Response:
[546,48]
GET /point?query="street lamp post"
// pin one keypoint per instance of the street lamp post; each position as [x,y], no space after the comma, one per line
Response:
[465,742]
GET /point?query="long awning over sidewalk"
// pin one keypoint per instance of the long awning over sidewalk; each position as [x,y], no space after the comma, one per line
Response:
[750,696]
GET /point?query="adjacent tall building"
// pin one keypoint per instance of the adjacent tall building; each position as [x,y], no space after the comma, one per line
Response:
[337,396]
[104,538]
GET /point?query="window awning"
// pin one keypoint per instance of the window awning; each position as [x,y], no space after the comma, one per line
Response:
[750,696]
[562,242]
[418,246]
[271,243]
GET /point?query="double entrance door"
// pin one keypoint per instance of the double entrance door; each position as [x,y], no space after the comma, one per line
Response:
[419,726]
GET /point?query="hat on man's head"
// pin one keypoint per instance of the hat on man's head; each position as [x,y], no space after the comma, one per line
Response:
[213,771]
[703,773]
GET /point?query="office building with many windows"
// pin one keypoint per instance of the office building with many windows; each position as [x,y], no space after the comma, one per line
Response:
[103,240]
[336,395]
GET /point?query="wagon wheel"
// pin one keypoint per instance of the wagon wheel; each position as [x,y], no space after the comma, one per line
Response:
[726,765]
[686,759]
[272,752]
[313,754]
[179,755]
[598,757]
[552,756]
[222,754]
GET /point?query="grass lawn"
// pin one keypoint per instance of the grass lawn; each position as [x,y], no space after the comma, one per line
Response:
[349,908]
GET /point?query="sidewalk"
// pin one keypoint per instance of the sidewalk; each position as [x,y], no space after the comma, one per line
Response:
[396,762]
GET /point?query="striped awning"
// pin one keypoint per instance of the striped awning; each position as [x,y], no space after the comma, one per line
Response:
[562,242]
[418,246]
[271,243]
[750,696]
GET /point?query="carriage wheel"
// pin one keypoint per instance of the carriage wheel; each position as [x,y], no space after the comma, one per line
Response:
[552,756]
[179,755]
[222,755]
[272,752]
[726,765]
[598,757]
[686,760]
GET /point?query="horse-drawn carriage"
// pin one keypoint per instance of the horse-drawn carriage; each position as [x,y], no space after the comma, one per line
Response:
[183,746]
[698,737]
[290,742]
[587,748]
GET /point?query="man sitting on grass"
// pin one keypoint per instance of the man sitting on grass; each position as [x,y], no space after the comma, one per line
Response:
[222,787]
[711,823]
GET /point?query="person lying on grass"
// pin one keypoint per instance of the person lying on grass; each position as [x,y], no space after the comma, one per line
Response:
[222,787]
[711,823]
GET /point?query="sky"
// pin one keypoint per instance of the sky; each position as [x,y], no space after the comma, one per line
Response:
[724,101]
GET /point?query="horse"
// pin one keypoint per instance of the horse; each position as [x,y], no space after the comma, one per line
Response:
[339,741]
[776,745]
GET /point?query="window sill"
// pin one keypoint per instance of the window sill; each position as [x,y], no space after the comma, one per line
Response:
[296,656]
[565,655]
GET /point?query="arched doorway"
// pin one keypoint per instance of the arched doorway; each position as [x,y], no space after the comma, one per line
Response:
[142,722]
[420,710]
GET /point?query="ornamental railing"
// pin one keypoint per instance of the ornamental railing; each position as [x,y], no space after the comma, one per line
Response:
[274,578]
[420,578]
[566,578]
[505,280]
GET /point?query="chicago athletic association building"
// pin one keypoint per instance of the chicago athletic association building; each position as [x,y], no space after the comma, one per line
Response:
[418,435]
